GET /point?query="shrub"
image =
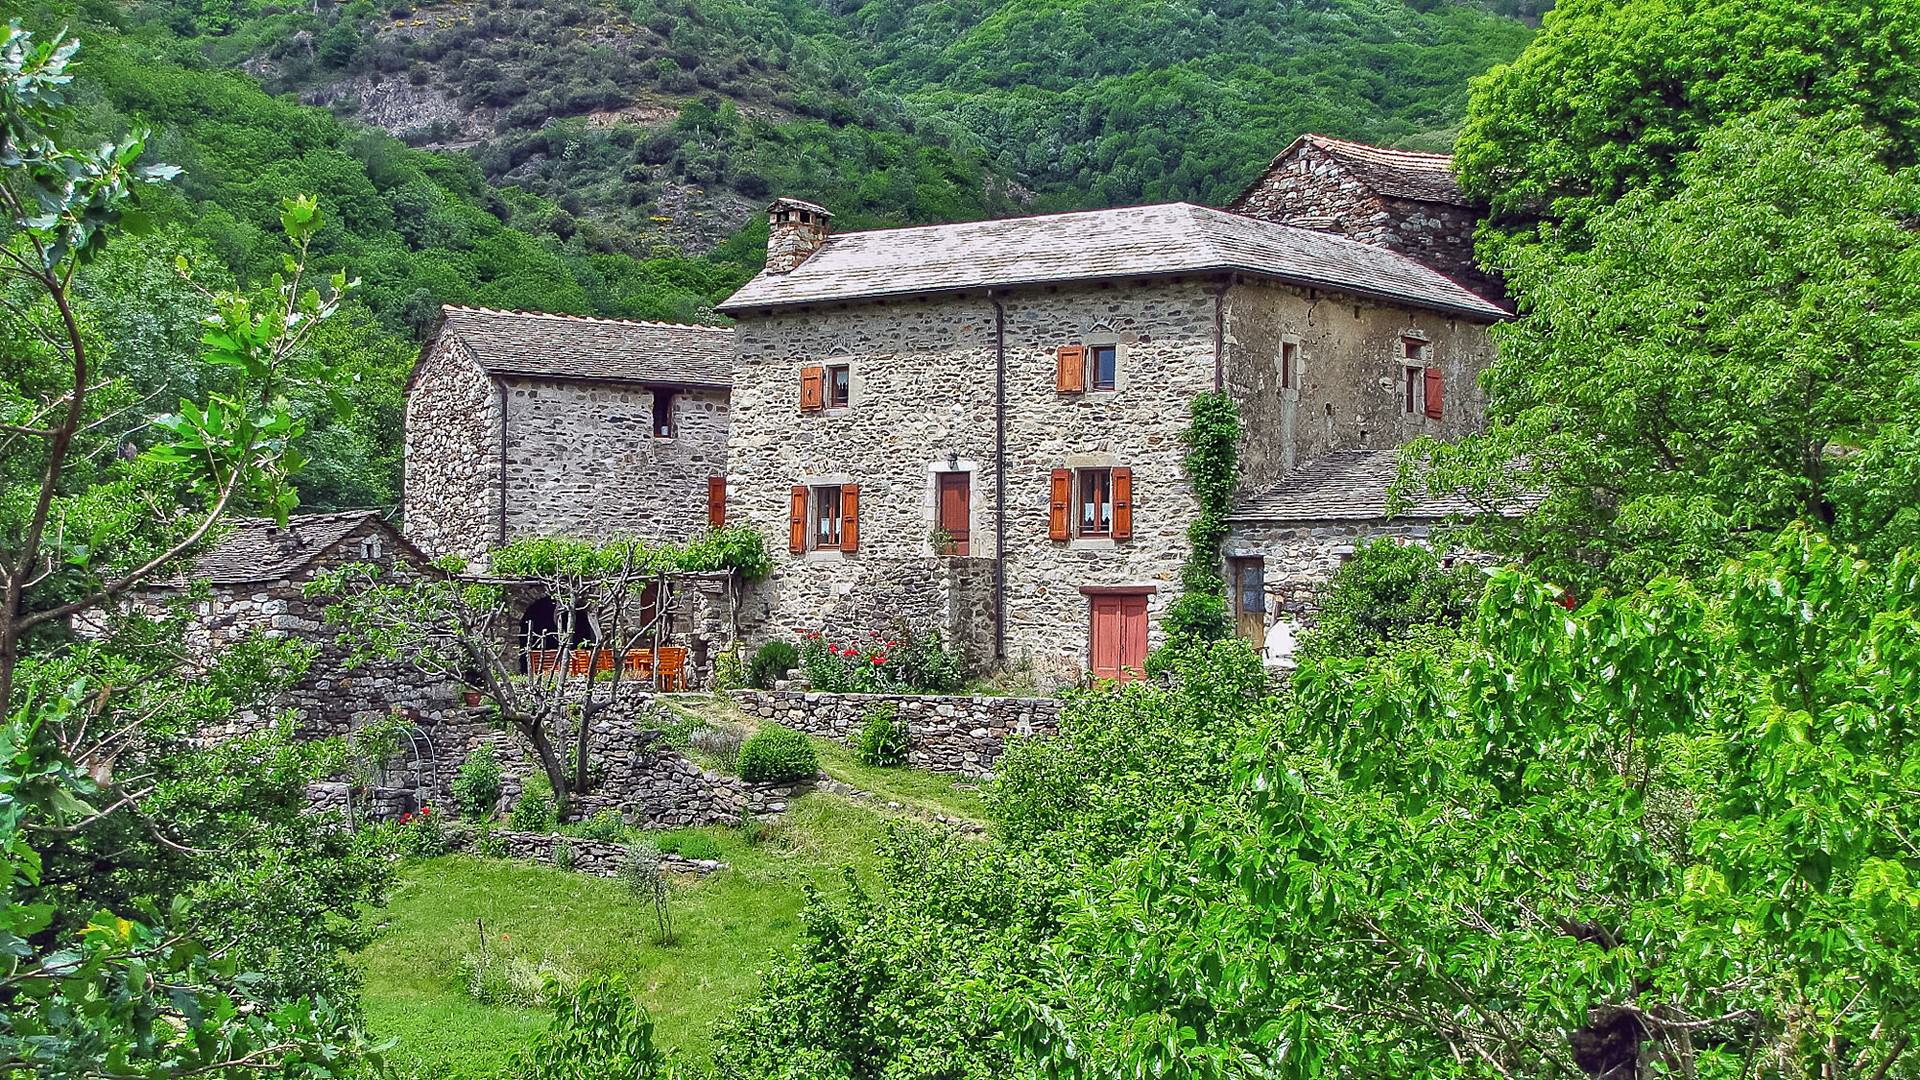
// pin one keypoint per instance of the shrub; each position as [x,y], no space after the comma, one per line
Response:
[1387,593]
[487,844]
[564,856]
[605,826]
[728,671]
[777,753]
[534,811]
[476,787]
[927,665]
[722,745]
[424,835]
[598,1030]
[882,665]
[503,973]
[771,662]
[696,845]
[884,739]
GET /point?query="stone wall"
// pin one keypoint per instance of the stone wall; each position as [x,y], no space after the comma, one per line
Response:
[634,770]
[951,734]
[1301,557]
[582,459]
[1351,390]
[595,857]
[451,484]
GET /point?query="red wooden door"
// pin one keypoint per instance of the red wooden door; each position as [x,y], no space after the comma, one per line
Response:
[1119,638]
[953,511]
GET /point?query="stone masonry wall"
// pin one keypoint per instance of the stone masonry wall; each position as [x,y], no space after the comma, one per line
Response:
[1314,190]
[452,458]
[1351,392]
[964,735]
[582,459]
[1301,557]
[922,402]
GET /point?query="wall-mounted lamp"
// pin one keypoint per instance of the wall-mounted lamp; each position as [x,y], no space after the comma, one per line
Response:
[953,461]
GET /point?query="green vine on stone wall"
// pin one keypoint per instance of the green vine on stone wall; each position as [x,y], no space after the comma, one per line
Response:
[1212,439]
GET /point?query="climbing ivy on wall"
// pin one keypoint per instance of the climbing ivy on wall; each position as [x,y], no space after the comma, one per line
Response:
[1212,439]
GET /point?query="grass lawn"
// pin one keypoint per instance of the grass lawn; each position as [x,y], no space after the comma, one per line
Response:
[932,792]
[726,925]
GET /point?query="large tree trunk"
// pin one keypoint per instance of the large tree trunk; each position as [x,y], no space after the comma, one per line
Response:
[536,734]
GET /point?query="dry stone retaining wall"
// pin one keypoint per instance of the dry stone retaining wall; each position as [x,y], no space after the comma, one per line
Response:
[951,734]
[596,857]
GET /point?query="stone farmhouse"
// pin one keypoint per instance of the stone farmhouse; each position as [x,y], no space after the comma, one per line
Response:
[523,424]
[975,427]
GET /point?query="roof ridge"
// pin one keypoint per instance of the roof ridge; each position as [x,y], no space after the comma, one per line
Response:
[892,229]
[1335,141]
[522,313]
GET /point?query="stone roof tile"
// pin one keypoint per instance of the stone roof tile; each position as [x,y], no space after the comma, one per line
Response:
[260,549]
[542,345]
[1403,174]
[1138,241]
[1346,485]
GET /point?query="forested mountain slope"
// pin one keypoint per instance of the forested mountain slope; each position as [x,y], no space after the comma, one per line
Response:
[672,120]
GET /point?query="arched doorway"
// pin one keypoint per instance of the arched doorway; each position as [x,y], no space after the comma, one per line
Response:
[541,632]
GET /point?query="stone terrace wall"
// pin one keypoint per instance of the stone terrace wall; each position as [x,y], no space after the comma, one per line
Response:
[591,856]
[950,734]
[636,772]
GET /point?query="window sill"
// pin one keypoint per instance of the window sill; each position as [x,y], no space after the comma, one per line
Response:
[824,555]
[1092,543]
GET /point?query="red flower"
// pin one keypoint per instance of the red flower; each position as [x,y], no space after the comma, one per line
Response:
[878,659]
[404,818]
[425,810]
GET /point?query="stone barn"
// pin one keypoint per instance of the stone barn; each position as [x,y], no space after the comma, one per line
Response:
[255,575]
[523,424]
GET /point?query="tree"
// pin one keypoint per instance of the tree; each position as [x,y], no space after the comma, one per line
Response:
[99,763]
[1610,96]
[452,627]
[1388,594]
[599,1032]
[1668,834]
[59,555]
[1710,369]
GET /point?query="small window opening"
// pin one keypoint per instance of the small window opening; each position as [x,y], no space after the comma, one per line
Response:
[839,386]
[1096,502]
[826,516]
[1289,365]
[1416,376]
[1103,367]
[663,414]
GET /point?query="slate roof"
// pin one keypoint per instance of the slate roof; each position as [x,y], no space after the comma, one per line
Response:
[258,549]
[1136,241]
[1345,485]
[542,345]
[1402,174]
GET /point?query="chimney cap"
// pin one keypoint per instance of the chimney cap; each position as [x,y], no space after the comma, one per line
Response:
[786,203]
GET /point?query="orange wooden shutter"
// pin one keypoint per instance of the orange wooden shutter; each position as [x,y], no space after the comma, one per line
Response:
[850,517]
[716,502]
[1435,390]
[813,383]
[797,520]
[1057,511]
[1122,504]
[1070,369]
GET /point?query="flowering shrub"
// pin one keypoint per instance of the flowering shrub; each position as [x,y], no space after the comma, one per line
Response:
[879,664]
[423,835]
[885,740]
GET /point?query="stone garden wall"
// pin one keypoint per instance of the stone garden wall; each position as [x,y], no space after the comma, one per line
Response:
[951,734]
[590,856]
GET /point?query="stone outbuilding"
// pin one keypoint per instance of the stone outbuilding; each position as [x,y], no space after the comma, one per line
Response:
[975,427]
[254,578]
[1286,541]
[524,424]
[1401,200]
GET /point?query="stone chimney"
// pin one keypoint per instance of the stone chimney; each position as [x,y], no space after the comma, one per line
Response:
[795,230]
